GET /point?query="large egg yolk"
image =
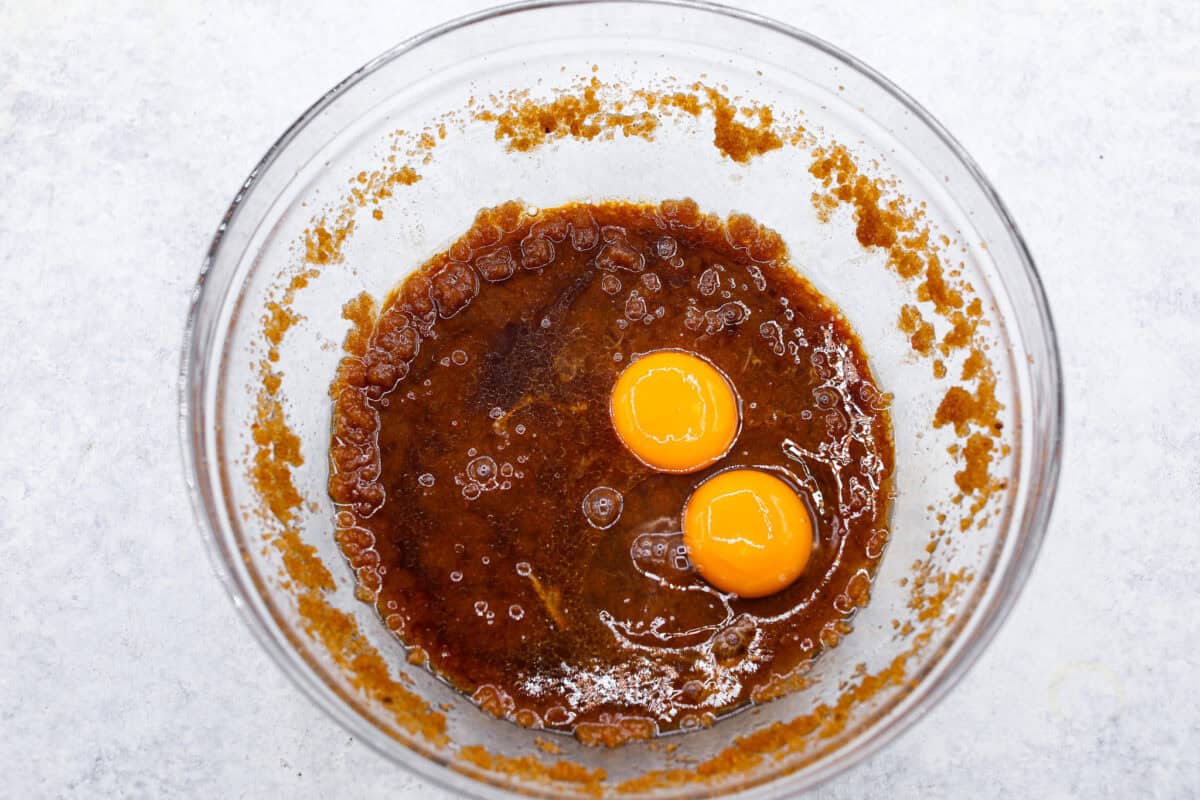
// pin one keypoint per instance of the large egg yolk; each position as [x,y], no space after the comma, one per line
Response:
[747,532]
[675,411]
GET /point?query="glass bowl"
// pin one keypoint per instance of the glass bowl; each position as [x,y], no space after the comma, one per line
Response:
[301,238]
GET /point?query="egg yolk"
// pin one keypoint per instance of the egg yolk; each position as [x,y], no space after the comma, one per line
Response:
[675,411]
[747,532]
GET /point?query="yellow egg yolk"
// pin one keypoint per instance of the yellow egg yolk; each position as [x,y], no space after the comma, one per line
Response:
[675,411]
[747,532]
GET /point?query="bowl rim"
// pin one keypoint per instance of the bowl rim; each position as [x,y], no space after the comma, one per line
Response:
[1005,587]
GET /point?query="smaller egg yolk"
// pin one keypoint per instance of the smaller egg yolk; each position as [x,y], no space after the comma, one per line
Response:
[747,532]
[675,411]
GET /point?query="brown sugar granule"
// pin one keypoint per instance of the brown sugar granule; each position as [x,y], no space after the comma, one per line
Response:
[920,332]
[825,204]
[776,740]
[946,587]
[325,239]
[323,246]
[276,322]
[886,222]
[961,334]
[935,289]
[685,101]
[272,329]
[781,685]
[586,113]
[526,125]
[339,633]
[977,457]
[360,312]
[547,746]
[961,408]
[275,448]
[380,184]
[761,244]
[616,732]
[276,451]
[922,339]
[583,779]
[736,140]
[878,222]
[641,125]
[974,365]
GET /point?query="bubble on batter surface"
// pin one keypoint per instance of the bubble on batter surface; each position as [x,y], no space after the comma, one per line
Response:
[602,507]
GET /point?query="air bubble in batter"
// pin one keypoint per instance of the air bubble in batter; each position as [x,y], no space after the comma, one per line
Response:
[482,469]
[602,507]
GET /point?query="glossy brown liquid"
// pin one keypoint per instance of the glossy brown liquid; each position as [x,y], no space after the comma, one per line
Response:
[509,539]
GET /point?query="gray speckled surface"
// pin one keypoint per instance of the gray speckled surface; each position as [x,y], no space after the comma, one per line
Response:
[124,130]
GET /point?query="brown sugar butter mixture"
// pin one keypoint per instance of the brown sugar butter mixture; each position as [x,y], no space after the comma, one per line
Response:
[511,542]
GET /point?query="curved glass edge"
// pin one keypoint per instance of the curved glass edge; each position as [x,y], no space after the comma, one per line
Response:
[963,652]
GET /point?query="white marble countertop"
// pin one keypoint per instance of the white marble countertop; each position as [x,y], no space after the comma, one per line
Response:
[125,128]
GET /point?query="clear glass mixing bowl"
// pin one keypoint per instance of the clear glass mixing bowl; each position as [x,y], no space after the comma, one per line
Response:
[544,46]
